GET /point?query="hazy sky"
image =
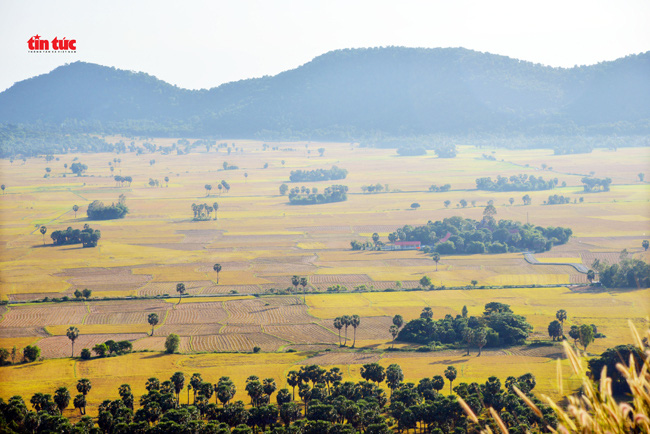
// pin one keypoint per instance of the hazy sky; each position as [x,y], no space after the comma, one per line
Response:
[201,44]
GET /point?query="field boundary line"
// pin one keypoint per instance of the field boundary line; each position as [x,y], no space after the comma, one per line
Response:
[530,258]
[277,337]
[323,327]
[190,344]
[83,320]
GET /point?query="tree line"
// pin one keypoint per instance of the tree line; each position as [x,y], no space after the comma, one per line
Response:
[98,211]
[488,235]
[87,236]
[521,182]
[334,173]
[497,326]
[326,404]
[334,193]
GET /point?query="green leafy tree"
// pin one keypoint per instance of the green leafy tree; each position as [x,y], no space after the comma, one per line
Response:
[31,353]
[172,343]
[87,293]
[586,335]
[591,275]
[480,339]
[464,312]
[450,374]
[555,330]
[468,337]
[425,282]
[152,319]
[415,205]
[72,333]
[426,313]
[645,244]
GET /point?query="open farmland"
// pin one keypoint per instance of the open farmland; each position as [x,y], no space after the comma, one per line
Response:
[261,242]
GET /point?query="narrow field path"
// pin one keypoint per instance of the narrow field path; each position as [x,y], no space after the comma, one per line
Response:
[530,258]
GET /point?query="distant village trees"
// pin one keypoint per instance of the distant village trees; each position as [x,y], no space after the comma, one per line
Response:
[306,196]
[318,175]
[595,184]
[521,182]
[98,211]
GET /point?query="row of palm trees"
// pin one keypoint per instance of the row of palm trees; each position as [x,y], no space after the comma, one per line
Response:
[346,321]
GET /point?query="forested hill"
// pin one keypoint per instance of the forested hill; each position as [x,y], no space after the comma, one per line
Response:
[348,94]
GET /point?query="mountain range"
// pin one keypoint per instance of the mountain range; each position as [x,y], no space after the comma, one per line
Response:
[343,94]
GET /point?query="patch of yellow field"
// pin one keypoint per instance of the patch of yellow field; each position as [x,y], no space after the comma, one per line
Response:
[186,300]
[623,218]
[311,246]
[527,279]
[560,260]
[109,294]
[19,343]
[92,329]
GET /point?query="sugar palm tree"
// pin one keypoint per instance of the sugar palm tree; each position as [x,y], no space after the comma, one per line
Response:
[354,322]
[217,267]
[304,282]
[393,331]
[338,324]
[295,281]
[43,231]
[436,259]
[180,288]
[75,208]
[73,334]
[347,321]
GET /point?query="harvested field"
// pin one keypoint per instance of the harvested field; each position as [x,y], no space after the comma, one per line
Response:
[22,332]
[188,329]
[236,342]
[44,314]
[157,343]
[169,288]
[302,333]
[129,312]
[228,289]
[60,346]
[255,312]
[198,313]
[330,279]
[104,279]
[342,358]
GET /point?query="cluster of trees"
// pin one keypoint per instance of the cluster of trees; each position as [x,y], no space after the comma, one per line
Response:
[122,179]
[628,273]
[85,293]
[78,168]
[202,211]
[30,353]
[487,235]
[108,348]
[440,189]
[347,321]
[227,166]
[497,326]
[318,175]
[573,148]
[98,211]
[34,140]
[557,199]
[595,184]
[521,182]
[326,405]
[376,188]
[87,236]
[585,333]
[334,193]
[441,150]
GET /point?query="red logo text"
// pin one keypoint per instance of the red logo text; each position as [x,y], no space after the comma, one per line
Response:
[35,43]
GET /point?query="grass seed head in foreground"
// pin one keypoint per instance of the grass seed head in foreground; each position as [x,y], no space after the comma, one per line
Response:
[595,410]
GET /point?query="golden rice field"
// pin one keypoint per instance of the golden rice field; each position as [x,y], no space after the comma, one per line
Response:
[261,241]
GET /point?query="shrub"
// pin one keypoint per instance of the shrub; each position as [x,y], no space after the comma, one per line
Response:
[85,354]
